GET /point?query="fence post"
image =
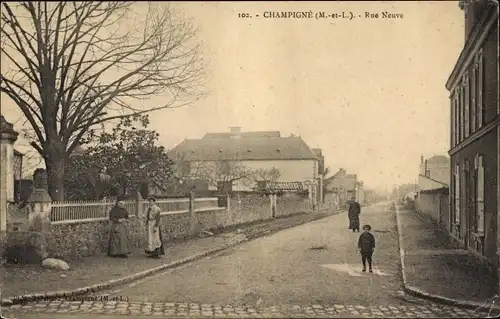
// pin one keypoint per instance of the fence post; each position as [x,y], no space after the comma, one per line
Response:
[192,213]
[138,205]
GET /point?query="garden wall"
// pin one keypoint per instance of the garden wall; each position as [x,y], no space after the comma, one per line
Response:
[86,238]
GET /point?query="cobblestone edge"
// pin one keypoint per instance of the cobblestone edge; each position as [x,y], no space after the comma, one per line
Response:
[417,292]
[127,279]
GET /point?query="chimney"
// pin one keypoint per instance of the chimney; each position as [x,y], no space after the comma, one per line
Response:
[235,129]
[235,132]
[473,9]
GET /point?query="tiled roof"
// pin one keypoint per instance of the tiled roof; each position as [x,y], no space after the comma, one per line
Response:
[438,159]
[244,134]
[254,148]
[285,186]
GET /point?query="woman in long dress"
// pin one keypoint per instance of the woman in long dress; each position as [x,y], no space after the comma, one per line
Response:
[155,242]
[118,238]
[354,211]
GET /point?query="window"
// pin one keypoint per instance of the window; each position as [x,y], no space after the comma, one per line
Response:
[185,168]
[224,167]
[479,166]
[453,120]
[473,87]
[457,118]
[466,106]
[457,194]
[462,112]
[225,186]
[480,90]
[459,115]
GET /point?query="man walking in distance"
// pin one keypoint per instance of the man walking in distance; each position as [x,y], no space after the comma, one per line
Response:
[353,214]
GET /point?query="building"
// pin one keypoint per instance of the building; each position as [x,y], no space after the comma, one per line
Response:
[344,186]
[473,86]
[235,152]
[434,173]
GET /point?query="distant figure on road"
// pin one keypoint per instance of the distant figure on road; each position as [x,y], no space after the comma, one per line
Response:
[353,214]
[366,246]
[155,242]
[118,237]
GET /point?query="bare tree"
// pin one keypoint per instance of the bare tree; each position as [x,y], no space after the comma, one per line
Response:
[221,173]
[268,177]
[225,173]
[69,66]
[326,181]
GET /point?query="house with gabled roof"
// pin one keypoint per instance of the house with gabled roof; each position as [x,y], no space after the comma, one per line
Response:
[434,172]
[263,150]
[344,186]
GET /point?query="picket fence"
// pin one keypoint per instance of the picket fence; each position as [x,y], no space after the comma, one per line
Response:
[72,211]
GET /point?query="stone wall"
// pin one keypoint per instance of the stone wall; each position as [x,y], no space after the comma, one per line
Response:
[82,239]
[291,203]
[434,205]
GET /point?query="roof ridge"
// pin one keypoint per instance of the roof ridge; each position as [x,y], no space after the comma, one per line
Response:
[432,179]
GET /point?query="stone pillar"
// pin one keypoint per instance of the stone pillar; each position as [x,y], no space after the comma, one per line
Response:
[7,138]
[39,203]
[28,244]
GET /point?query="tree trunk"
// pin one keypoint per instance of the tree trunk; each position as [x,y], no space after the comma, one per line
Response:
[55,176]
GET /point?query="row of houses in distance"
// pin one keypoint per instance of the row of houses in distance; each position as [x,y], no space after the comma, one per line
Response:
[341,187]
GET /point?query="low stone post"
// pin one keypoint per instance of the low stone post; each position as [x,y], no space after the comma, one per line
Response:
[39,203]
[273,196]
[192,213]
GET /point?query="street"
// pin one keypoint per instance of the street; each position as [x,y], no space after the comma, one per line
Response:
[316,263]
[311,270]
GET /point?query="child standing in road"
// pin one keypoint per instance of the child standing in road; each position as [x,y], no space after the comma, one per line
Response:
[366,246]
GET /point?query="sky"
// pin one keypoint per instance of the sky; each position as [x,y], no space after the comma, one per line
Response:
[369,92]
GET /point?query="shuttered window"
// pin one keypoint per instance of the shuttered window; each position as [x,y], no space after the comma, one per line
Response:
[480,194]
[480,90]
[457,194]
[473,88]
[457,118]
[466,106]
[453,120]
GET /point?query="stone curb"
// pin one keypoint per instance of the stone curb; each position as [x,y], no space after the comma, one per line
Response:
[120,281]
[417,292]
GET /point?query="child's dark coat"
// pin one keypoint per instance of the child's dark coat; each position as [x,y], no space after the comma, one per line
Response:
[366,242]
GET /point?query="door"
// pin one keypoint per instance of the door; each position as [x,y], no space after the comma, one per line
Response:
[466,207]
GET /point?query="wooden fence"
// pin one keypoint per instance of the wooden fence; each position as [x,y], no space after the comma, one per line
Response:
[85,210]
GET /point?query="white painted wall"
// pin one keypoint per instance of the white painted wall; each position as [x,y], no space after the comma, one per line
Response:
[426,184]
[291,170]
[439,172]
[360,195]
